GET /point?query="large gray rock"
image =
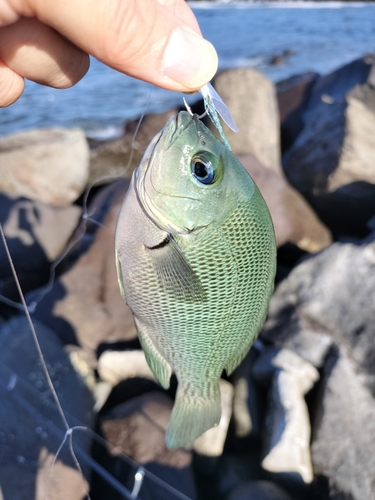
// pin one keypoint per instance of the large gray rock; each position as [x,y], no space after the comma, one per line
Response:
[251,98]
[337,144]
[343,444]
[293,219]
[49,165]
[31,429]
[328,297]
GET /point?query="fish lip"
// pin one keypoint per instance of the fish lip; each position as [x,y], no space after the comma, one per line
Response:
[177,126]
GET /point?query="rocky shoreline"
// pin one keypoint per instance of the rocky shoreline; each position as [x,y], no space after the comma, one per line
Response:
[298,413]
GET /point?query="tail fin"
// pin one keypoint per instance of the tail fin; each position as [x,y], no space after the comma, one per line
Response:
[194,411]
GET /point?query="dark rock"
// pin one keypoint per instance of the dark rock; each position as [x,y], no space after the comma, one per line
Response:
[343,444]
[137,429]
[277,60]
[251,98]
[258,490]
[84,306]
[49,165]
[31,429]
[293,95]
[328,297]
[36,235]
[337,145]
[121,156]
[246,401]
[347,210]
[293,219]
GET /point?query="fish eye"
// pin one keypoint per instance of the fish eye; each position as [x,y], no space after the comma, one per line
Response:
[203,170]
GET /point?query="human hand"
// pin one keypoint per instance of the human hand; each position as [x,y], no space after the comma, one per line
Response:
[48,41]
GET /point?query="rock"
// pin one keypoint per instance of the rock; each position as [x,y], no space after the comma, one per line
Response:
[251,98]
[84,306]
[337,145]
[246,411]
[287,450]
[293,219]
[36,234]
[277,60]
[273,359]
[292,97]
[121,156]
[328,297]
[48,165]
[31,429]
[115,366]
[355,200]
[258,490]
[343,444]
[288,443]
[137,429]
[211,443]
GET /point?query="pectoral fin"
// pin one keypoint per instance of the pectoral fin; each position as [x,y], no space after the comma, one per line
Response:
[174,271]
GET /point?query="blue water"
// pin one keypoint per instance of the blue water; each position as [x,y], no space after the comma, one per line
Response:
[321,36]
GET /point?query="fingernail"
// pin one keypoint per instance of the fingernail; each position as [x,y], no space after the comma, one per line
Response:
[189,59]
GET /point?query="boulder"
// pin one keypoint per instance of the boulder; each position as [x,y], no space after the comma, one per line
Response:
[328,297]
[36,235]
[137,429]
[84,305]
[119,157]
[293,95]
[343,443]
[251,98]
[31,429]
[337,145]
[48,165]
[293,219]
[356,201]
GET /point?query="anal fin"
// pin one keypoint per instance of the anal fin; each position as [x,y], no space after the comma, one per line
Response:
[159,366]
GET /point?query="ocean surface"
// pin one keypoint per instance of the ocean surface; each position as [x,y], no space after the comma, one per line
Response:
[313,36]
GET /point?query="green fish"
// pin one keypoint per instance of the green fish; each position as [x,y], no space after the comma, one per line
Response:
[196,258]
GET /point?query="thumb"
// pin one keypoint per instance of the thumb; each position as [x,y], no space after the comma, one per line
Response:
[154,40]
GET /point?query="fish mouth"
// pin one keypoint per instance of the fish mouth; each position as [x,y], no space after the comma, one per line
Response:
[175,126]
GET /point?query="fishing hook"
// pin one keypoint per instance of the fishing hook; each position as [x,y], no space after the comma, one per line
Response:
[188,108]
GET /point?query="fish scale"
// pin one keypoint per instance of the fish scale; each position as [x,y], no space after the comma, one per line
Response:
[199,295]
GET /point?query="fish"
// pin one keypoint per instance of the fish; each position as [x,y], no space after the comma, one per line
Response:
[196,259]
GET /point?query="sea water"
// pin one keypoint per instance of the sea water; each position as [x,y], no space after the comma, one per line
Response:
[315,36]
